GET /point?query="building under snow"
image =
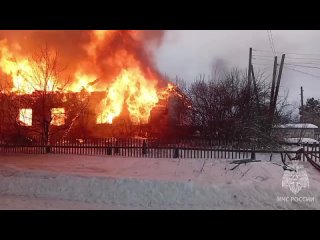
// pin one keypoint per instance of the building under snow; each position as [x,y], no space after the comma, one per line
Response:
[297,130]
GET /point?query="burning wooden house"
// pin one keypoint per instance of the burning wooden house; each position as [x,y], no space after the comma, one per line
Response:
[113,90]
[79,115]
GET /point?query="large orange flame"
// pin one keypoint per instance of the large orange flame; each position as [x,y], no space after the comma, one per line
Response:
[134,90]
[23,72]
[115,62]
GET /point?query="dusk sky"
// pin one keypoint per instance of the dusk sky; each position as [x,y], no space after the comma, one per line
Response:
[189,53]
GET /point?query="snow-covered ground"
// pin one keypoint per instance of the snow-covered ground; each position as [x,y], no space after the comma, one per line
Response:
[34,203]
[300,140]
[95,182]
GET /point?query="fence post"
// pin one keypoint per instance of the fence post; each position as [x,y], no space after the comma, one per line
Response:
[116,149]
[144,147]
[109,151]
[109,148]
[48,147]
[253,154]
[176,152]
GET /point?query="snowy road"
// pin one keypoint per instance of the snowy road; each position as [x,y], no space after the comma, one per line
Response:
[94,182]
[29,203]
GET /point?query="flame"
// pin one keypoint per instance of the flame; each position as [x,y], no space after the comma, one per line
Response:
[25,116]
[83,82]
[58,116]
[165,92]
[115,61]
[134,90]
[134,87]
[170,87]
[22,72]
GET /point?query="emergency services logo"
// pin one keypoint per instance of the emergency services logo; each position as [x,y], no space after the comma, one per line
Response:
[296,178]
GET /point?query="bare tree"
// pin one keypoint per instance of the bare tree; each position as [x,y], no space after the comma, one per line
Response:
[11,126]
[48,96]
[225,108]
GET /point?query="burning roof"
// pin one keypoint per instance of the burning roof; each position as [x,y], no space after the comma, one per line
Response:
[118,62]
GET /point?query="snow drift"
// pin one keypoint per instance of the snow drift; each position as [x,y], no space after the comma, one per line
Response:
[152,183]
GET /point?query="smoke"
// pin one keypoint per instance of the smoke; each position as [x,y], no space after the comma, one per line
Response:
[113,51]
[219,67]
[85,51]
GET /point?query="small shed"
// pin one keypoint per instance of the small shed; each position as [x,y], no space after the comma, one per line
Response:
[296,130]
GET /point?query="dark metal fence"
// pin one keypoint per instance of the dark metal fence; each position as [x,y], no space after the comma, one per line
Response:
[133,147]
[153,148]
[306,152]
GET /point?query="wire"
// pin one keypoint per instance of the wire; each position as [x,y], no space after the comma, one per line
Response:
[306,54]
[264,61]
[264,69]
[304,63]
[302,66]
[270,42]
[263,56]
[287,57]
[316,76]
[317,63]
[274,48]
[262,64]
[303,58]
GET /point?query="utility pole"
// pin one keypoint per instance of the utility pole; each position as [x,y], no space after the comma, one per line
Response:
[248,94]
[274,102]
[255,89]
[274,75]
[301,119]
[249,69]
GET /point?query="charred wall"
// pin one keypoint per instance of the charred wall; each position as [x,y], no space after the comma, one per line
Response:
[81,112]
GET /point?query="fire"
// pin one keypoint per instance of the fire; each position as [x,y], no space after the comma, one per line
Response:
[23,72]
[58,116]
[25,116]
[170,87]
[115,61]
[134,86]
[83,82]
[130,88]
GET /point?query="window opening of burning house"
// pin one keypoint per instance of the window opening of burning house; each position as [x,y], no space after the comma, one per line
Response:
[58,116]
[25,116]
[100,119]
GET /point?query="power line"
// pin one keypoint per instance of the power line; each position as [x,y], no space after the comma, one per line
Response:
[305,63]
[274,48]
[311,62]
[307,54]
[316,76]
[261,64]
[263,56]
[302,66]
[299,58]
[254,58]
[268,60]
[270,42]
[304,58]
